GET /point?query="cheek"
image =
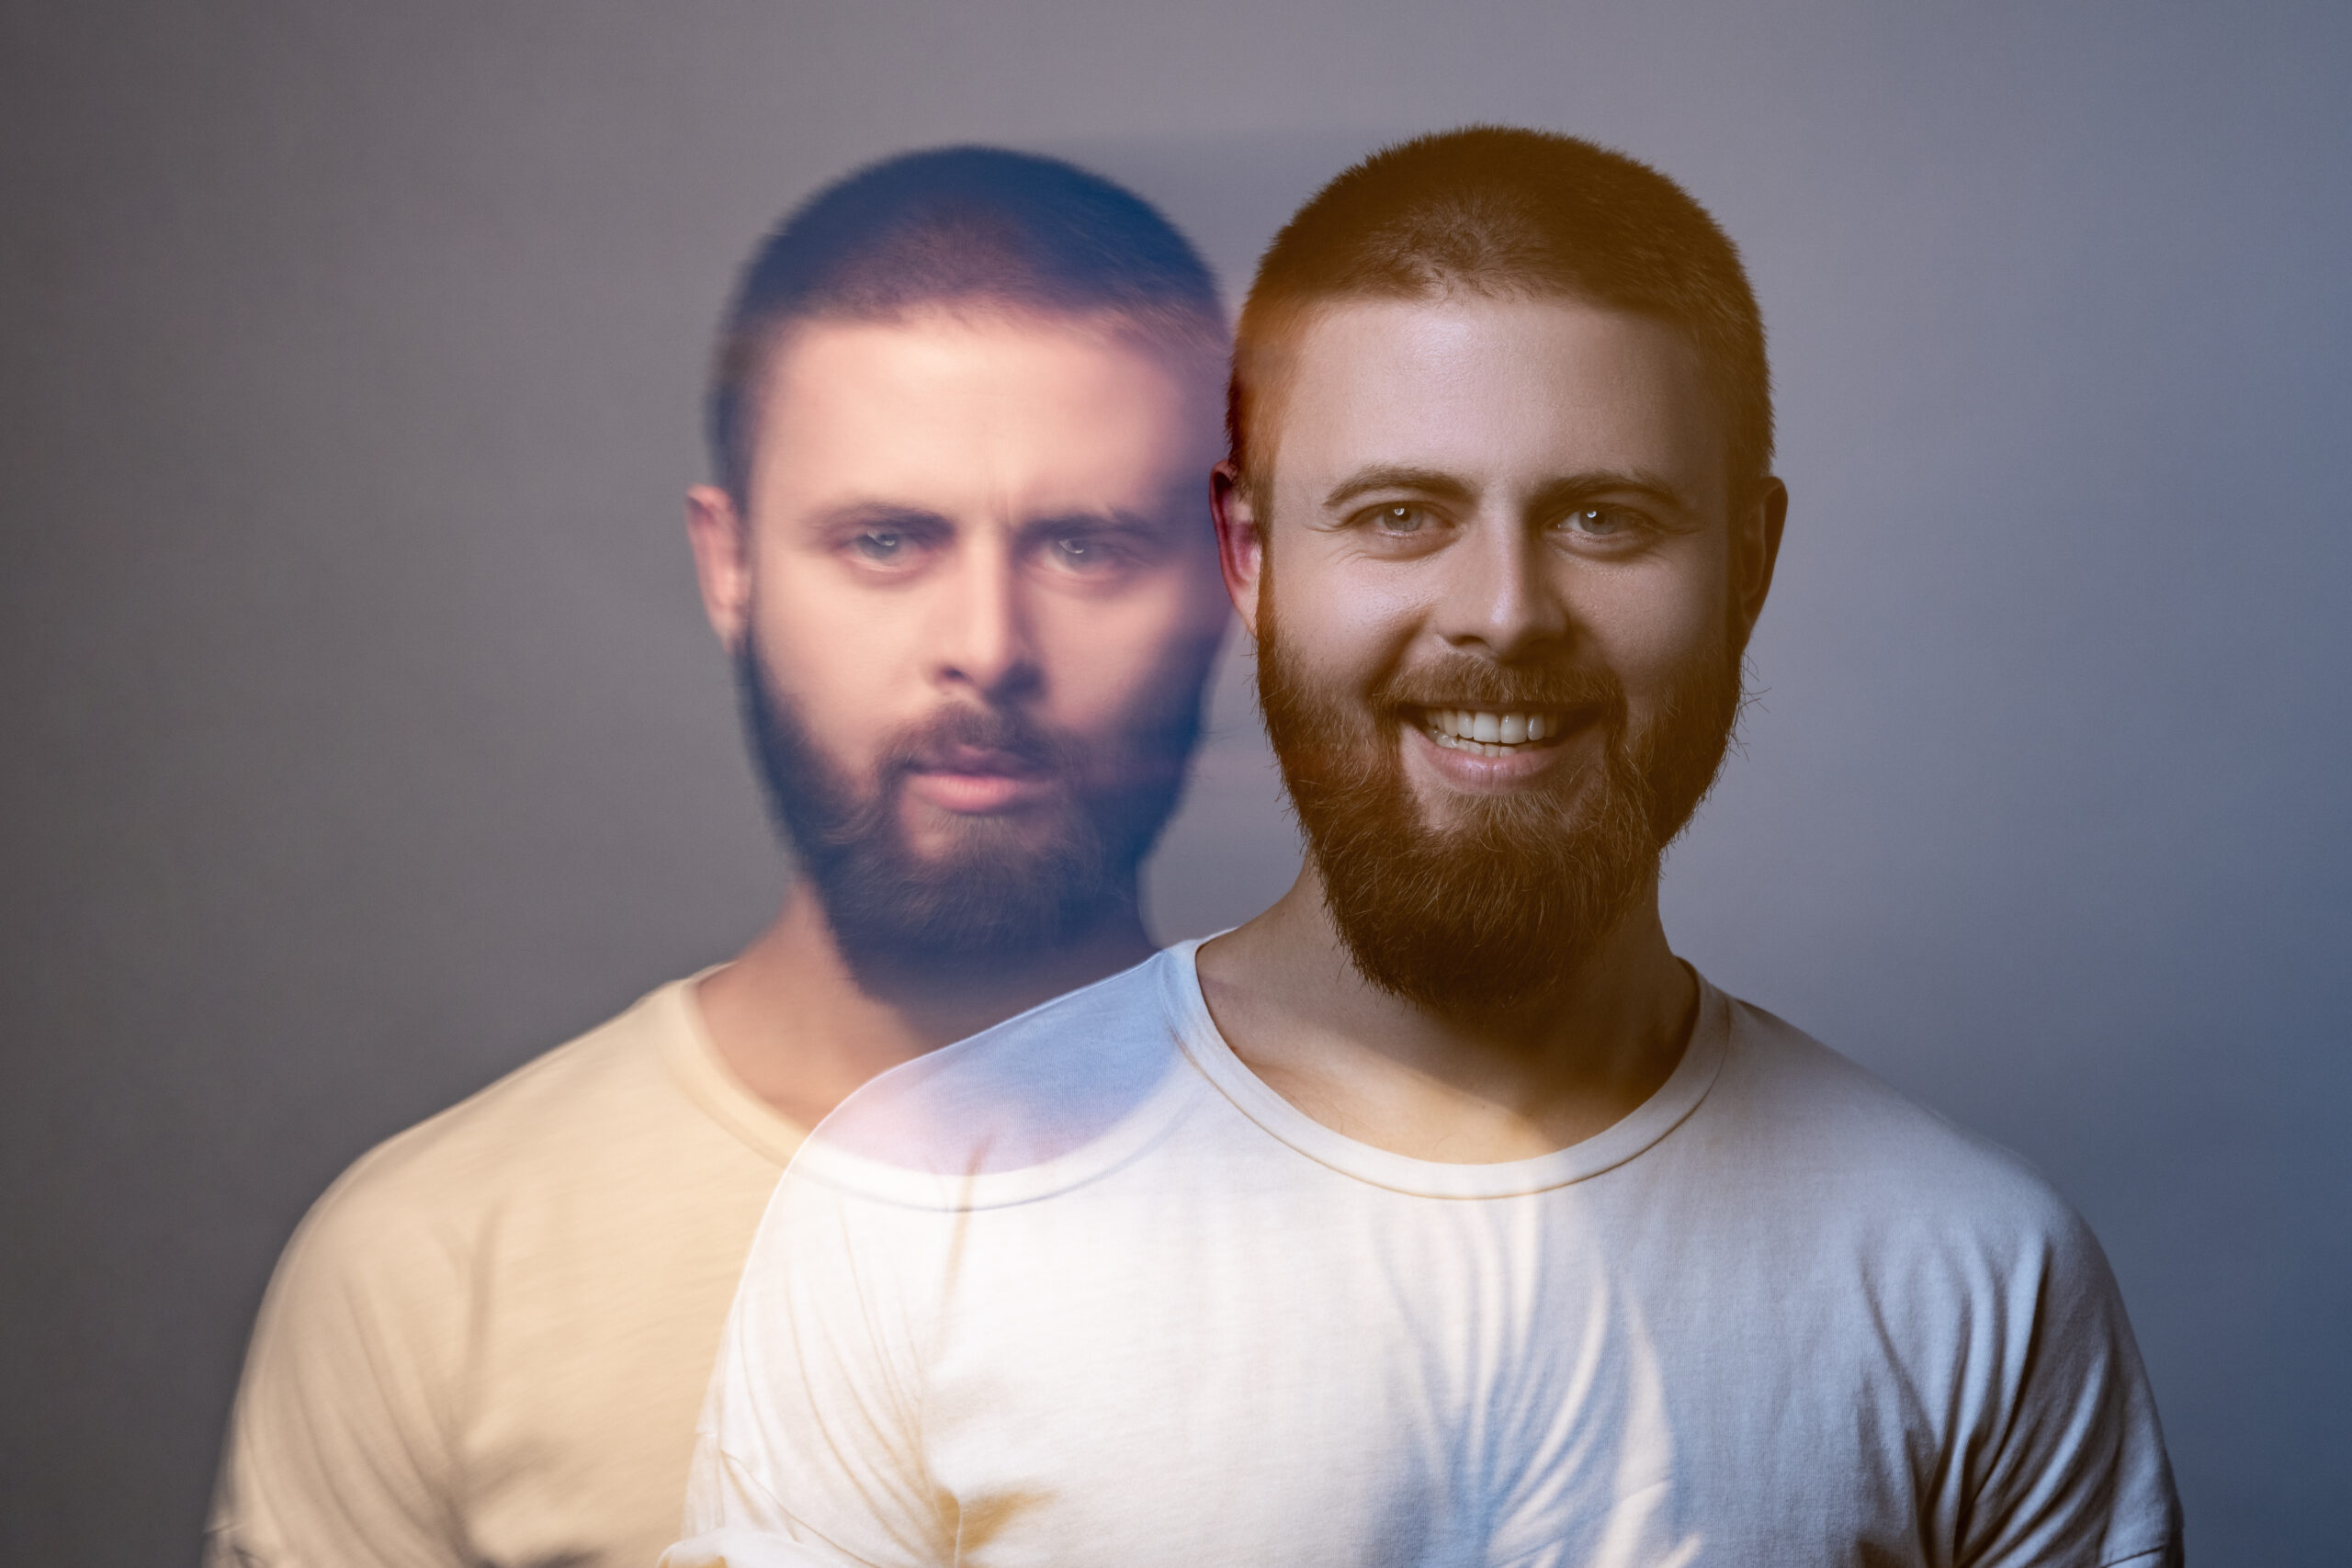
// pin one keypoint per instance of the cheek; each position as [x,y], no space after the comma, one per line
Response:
[1115,663]
[1344,622]
[1652,626]
[828,652]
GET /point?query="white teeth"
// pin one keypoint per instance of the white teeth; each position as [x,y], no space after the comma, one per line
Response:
[1494,734]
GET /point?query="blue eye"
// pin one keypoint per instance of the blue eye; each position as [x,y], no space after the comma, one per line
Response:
[1093,552]
[1399,519]
[878,545]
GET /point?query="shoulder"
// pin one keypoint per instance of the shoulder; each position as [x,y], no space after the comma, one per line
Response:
[419,1199]
[1979,1276]
[1870,1159]
[1029,1093]
[355,1382]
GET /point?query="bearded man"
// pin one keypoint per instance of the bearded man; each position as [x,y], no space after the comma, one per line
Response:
[959,551]
[1440,1215]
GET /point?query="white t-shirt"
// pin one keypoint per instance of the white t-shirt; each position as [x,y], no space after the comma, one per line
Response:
[1083,1290]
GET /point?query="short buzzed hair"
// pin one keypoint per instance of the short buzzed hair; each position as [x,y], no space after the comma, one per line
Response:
[1515,214]
[958,226]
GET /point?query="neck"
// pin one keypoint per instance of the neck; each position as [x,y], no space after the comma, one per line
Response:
[801,1027]
[1468,1089]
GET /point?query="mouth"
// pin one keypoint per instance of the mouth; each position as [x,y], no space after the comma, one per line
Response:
[978,781]
[1491,732]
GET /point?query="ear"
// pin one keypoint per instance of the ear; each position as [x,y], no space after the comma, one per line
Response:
[722,545]
[1756,548]
[1241,546]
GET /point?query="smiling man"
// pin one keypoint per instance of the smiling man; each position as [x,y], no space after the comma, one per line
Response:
[1440,1215]
[959,551]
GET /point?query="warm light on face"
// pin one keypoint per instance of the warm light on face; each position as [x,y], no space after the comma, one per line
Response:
[1499,640]
[992,514]
[1517,488]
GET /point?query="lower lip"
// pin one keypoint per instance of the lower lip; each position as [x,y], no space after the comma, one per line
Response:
[1480,773]
[975,794]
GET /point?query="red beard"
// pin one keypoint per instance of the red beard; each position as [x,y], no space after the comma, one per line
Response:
[1480,915]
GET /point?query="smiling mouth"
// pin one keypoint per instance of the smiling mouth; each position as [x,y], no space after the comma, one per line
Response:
[1493,732]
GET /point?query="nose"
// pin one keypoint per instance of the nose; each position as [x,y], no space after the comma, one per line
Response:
[983,647]
[1500,599]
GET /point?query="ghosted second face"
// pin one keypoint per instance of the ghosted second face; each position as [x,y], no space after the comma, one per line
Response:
[974,598]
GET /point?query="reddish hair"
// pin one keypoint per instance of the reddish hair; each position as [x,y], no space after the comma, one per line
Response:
[1507,213]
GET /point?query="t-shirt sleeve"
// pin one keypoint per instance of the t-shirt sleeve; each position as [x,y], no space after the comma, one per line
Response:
[338,1450]
[2071,1470]
[809,1450]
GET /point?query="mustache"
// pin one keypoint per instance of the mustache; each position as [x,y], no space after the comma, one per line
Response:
[962,727]
[1465,681]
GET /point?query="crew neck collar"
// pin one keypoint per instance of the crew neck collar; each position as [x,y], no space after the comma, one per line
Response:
[1206,1046]
[709,1082]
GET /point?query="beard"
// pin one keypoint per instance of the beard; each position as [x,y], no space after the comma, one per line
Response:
[1007,885]
[1476,917]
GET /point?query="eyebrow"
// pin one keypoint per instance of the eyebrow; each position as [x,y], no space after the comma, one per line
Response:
[1117,520]
[887,514]
[1426,482]
[1567,487]
[1575,486]
[873,514]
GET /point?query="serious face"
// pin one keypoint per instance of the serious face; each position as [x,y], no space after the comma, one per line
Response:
[1501,596]
[974,607]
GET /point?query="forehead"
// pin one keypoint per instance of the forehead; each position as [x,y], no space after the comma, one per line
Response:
[1496,391]
[953,411]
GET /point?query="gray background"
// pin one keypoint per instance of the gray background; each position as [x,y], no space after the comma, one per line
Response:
[359,735]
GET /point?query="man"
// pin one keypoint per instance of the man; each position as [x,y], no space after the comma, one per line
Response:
[960,552]
[1440,1214]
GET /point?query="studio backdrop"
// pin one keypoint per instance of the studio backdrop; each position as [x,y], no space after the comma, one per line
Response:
[360,735]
